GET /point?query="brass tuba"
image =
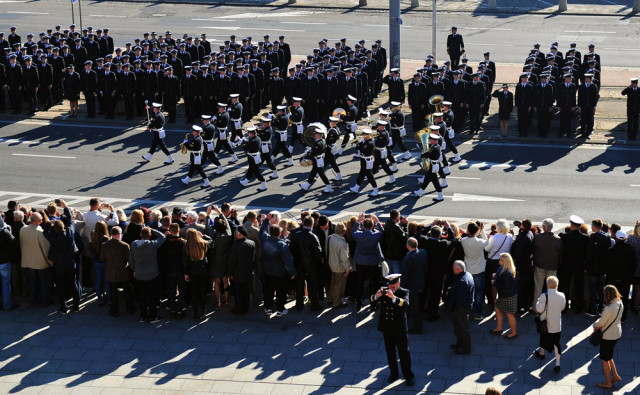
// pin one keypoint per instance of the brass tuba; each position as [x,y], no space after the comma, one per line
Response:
[422,136]
[183,148]
[339,113]
[436,101]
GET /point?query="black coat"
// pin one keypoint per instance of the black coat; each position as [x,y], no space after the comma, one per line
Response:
[242,260]
[588,96]
[417,95]
[524,96]
[574,250]
[476,94]
[438,252]
[88,82]
[505,104]
[306,249]
[633,99]
[414,267]
[543,97]
[394,241]
[566,95]
[396,88]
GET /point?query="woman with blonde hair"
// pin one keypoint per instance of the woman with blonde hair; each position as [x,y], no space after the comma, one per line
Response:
[99,235]
[504,281]
[196,270]
[122,218]
[610,324]
[499,243]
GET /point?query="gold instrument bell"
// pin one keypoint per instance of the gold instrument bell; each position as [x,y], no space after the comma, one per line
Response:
[183,148]
[339,113]
[436,101]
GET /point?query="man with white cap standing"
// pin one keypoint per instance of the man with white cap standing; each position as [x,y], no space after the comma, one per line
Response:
[433,154]
[365,148]
[574,259]
[156,126]
[633,108]
[194,146]
[235,113]
[317,155]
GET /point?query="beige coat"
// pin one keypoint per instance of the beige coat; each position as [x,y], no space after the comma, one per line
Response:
[338,254]
[608,316]
[34,247]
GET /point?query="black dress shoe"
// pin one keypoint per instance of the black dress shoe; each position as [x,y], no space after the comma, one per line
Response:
[392,378]
[538,355]
[556,368]
[409,382]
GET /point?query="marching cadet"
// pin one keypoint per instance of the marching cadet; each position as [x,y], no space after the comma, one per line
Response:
[30,82]
[296,117]
[235,114]
[455,46]
[543,102]
[350,124]
[222,129]
[107,89]
[156,126]
[280,123]
[317,155]
[566,101]
[89,88]
[474,102]
[365,148]
[194,147]
[433,154]
[393,301]
[381,153]
[436,87]
[396,86]
[633,108]
[265,147]
[439,128]
[505,107]
[448,133]
[417,97]
[45,73]
[333,134]
[398,131]
[252,146]
[524,100]
[207,134]
[170,91]
[587,101]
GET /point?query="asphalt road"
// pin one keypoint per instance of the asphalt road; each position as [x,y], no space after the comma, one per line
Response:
[509,37]
[494,180]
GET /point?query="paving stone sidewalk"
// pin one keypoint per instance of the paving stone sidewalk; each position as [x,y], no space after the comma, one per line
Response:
[90,352]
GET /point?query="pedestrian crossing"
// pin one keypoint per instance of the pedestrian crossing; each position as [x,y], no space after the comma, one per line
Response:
[81,203]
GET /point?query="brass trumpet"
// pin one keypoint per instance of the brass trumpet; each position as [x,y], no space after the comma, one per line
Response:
[183,148]
[339,113]
[359,136]
[289,114]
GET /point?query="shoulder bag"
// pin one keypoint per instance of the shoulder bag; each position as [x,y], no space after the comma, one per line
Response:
[596,337]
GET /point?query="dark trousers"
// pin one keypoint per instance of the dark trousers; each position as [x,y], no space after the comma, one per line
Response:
[211,155]
[372,272]
[566,276]
[311,110]
[170,107]
[525,290]
[277,284]
[127,292]
[15,97]
[364,172]
[196,168]
[459,115]
[266,159]
[128,106]
[91,104]
[32,100]
[247,110]
[158,142]
[189,108]
[242,296]
[198,286]
[310,276]
[524,120]
[295,136]
[175,281]
[475,118]
[450,145]
[147,297]
[397,140]
[432,293]
[45,97]
[107,105]
[431,177]
[381,162]
[223,144]
[281,146]
[455,60]
[330,160]
[257,99]
[632,124]
[40,286]
[489,271]
[417,118]
[56,90]
[139,101]
[66,283]
[460,320]
[254,170]
[566,116]
[544,118]
[319,171]
[415,311]
[399,341]
[586,121]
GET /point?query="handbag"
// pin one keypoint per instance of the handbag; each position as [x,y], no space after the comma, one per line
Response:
[596,337]
[541,325]
[486,253]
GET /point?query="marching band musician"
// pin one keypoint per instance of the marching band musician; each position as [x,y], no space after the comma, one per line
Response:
[333,134]
[381,152]
[252,146]
[396,120]
[208,131]
[384,115]
[235,115]
[296,117]
[350,120]
[441,131]
[433,154]
[448,118]
[194,146]
[156,126]
[222,128]
[366,147]
[280,123]
[317,155]
[265,146]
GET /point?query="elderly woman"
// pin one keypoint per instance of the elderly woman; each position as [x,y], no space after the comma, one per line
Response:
[473,247]
[499,243]
[610,324]
[550,305]
[504,280]
[340,264]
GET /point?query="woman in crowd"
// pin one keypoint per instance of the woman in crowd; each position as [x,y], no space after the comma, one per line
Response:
[504,281]
[100,235]
[550,305]
[634,241]
[196,268]
[499,243]
[611,326]
[122,218]
[473,247]
[219,268]
[132,231]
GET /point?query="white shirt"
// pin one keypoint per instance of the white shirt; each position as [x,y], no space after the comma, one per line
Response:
[494,248]
[473,253]
[553,311]
[92,217]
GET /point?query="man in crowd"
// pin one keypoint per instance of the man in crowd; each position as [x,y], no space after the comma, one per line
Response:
[459,302]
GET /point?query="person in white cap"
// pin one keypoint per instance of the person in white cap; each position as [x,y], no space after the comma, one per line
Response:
[333,134]
[296,118]
[448,117]
[398,131]
[317,156]
[223,127]
[365,148]
[194,146]
[252,146]
[381,154]
[433,154]
[633,108]
[574,256]
[280,123]
[156,126]
[265,146]
[350,119]
[235,113]
[208,132]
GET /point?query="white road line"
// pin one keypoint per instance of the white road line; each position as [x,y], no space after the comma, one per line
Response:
[110,16]
[28,12]
[304,23]
[635,185]
[488,28]
[46,156]
[589,31]
[213,19]
[18,141]
[544,2]
[234,28]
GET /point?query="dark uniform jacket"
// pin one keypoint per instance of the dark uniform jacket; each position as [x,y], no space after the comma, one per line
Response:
[396,88]
[45,72]
[242,259]
[505,103]
[475,94]
[417,95]
[292,88]
[30,78]
[524,95]
[633,98]
[574,250]
[588,96]
[126,84]
[170,88]
[393,315]
[543,96]
[306,249]
[414,267]
[455,44]
[566,95]
[88,82]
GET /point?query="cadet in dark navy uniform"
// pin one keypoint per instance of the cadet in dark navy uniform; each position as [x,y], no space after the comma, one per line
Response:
[208,133]
[252,146]
[398,131]
[587,101]
[317,155]
[280,124]
[222,129]
[455,46]
[381,153]
[265,147]
[296,117]
[393,303]
[156,126]
[633,108]
[194,147]
[350,120]
[433,154]
[365,148]
[235,114]
[396,86]
[333,134]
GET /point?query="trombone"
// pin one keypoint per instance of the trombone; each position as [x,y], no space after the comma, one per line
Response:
[183,148]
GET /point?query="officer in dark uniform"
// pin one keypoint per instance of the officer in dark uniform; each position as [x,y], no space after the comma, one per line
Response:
[393,303]
[588,97]
[126,90]
[276,89]
[310,95]
[524,100]
[296,117]
[366,147]
[543,102]
[350,125]
[396,86]
[190,92]
[317,155]
[333,135]
[14,37]
[107,90]
[633,108]
[89,87]
[398,131]
[566,101]
[170,91]
[381,153]
[417,97]
[265,134]
[474,101]
[252,146]
[45,73]
[194,147]
[455,46]
[431,176]
[291,85]
[156,126]
[208,133]
[222,122]
[30,83]
[280,124]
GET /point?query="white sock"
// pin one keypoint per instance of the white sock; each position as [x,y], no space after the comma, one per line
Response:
[555,349]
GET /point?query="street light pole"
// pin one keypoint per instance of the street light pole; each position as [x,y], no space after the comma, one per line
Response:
[394,33]
[636,5]
[562,5]
[433,29]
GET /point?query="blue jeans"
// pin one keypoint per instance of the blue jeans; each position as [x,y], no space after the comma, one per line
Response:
[5,276]
[40,286]
[478,297]
[596,286]
[394,266]
[101,281]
